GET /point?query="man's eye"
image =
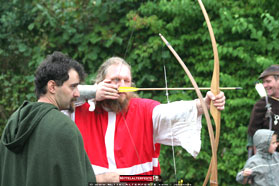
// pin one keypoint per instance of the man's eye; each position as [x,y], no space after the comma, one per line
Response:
[116,80]
[73,86]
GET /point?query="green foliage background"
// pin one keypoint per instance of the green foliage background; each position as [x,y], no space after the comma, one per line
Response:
[92,30]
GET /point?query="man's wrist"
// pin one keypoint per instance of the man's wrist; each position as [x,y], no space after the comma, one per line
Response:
[199,106]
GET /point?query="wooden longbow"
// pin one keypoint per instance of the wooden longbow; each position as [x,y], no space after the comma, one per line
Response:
[216,114]
[212,170]
[204,107]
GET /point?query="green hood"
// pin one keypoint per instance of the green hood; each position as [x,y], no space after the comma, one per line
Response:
[22,123]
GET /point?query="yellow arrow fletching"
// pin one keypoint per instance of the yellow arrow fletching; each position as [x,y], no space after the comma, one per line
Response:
[127,89]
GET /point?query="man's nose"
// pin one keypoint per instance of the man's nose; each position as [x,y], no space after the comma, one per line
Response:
[76,93]
[121,83]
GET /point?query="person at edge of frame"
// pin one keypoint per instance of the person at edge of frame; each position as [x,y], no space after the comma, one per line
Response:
[40,145]
[265,113]
[263,167]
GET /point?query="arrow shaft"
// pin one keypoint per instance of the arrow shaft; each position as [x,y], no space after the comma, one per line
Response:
[132,89]
[189,88]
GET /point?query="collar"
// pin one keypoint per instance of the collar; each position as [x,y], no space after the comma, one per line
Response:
[277,99]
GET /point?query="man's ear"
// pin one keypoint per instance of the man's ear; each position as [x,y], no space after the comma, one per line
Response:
[51,85]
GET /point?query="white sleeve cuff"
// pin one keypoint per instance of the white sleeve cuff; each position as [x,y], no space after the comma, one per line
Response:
[177,124]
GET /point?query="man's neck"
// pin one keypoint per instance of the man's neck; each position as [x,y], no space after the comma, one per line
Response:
[47,99]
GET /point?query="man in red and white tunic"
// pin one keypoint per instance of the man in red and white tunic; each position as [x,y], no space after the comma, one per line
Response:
[122,133]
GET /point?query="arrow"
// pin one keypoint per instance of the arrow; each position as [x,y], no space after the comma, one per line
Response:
[134,89]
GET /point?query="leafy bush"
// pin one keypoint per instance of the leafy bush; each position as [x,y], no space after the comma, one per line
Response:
[92,30]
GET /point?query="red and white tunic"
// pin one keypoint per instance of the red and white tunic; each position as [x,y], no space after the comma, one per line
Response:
[129,143]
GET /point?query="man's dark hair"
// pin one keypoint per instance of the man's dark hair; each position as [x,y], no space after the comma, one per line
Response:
[55,67]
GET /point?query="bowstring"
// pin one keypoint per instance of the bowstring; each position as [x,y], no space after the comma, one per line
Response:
[172,143]
[122,112]
[166,83]
[131,138]
[129,41]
